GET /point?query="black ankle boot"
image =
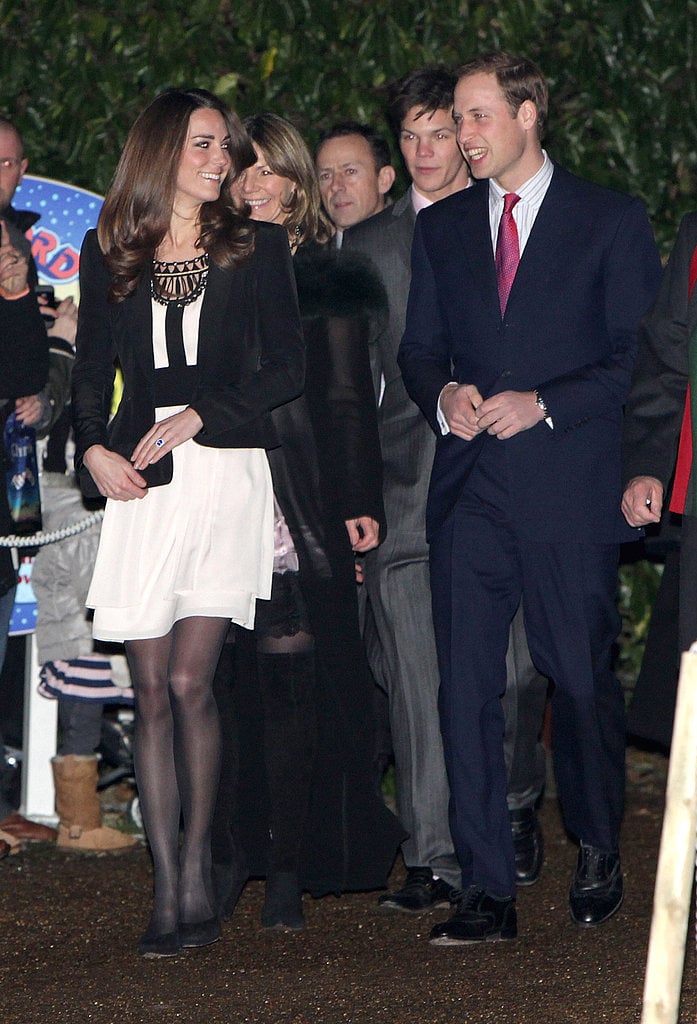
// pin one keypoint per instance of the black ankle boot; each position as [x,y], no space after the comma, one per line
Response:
[283,908]
[228,882]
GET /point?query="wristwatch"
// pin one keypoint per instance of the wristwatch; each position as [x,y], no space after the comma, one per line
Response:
[541,404]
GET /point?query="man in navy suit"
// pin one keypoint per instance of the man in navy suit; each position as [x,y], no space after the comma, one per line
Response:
[522,374]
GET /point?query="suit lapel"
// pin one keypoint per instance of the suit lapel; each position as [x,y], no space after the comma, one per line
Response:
[401,229]
[215,302]
[552,234]
[475,235]
[141,319]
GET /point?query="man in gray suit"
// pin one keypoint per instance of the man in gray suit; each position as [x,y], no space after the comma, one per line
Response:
[401,648]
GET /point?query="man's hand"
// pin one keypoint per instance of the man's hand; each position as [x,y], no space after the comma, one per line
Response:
[114,476]
[642,501]
[364,533]
[459,404]
[508,413]
[64,320]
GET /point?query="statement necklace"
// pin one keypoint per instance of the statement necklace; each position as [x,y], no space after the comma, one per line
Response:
[179,283]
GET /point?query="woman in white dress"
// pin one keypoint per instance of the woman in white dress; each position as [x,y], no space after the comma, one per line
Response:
[199,309]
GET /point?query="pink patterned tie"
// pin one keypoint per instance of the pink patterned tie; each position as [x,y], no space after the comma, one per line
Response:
[507,251]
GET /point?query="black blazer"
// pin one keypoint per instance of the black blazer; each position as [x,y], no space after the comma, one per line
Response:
[250,354]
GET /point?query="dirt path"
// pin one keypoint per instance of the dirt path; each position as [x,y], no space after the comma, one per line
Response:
[69,927]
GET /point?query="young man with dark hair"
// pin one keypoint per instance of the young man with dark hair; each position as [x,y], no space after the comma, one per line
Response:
[402,648]
[527,291]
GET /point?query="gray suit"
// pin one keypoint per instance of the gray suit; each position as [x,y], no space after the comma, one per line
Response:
[402,650]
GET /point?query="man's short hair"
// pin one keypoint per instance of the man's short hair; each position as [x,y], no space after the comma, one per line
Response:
[377,142]
[428,89]
[518,77]
[6,125]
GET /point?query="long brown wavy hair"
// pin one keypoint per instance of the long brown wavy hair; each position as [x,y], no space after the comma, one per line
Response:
[138,207]
[287,155]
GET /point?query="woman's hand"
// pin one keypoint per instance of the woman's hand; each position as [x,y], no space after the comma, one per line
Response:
[114,476]
[13,266]
[364,533]
[166,435]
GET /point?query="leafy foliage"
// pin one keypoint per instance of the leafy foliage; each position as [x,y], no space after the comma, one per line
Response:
[638,586]
[622,74]
[622,77]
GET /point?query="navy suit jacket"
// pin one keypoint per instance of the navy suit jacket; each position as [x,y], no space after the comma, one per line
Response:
[589,271]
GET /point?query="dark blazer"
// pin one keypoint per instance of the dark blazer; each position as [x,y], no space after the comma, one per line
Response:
[250,354]
[328,467]
[407,441]
[588,273]
[657,397]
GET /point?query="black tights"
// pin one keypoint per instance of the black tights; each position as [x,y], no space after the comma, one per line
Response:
[177,762]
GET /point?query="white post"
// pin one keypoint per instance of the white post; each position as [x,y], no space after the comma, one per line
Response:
[38,744]
[666,958]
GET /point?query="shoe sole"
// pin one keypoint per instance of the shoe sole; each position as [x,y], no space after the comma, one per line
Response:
[392,908]
[446,940]
[159,956]
[525,883]
[200,945]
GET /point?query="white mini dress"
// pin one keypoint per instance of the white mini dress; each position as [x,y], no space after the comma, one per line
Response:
[201,545]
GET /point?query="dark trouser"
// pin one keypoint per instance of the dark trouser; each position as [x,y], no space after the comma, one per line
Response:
[480,569]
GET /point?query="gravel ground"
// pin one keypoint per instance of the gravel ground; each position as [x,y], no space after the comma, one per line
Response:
[69,928]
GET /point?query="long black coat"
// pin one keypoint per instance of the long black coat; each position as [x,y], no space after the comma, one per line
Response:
[326,470]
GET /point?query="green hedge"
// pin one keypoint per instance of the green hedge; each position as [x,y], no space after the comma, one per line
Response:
[74,76]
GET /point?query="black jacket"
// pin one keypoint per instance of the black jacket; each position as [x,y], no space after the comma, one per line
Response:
[250,354]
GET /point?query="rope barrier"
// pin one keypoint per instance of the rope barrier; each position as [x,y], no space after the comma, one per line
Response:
[38,540]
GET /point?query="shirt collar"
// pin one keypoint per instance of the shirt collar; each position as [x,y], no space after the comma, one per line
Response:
[418,201]
[533,187]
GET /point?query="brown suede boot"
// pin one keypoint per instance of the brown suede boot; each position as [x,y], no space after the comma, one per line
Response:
[77,804]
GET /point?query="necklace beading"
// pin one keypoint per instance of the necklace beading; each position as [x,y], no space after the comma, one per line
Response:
[179,283]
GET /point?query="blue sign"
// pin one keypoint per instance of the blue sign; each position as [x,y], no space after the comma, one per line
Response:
[67,213]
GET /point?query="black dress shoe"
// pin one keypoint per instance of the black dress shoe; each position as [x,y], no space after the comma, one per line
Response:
[153,944]
[199,933]
[528,845]
[480,917]
[421,892]
[598,888]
